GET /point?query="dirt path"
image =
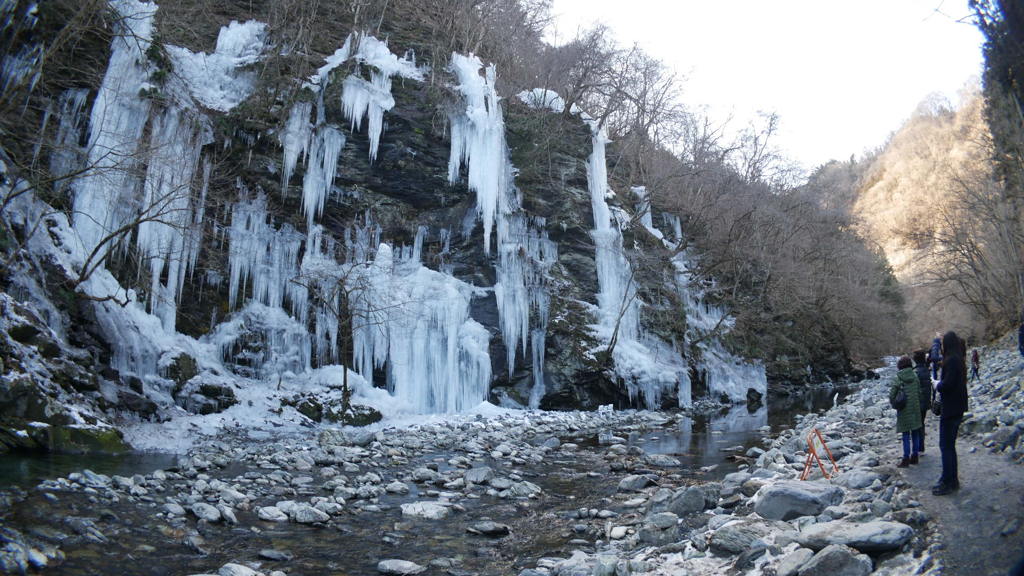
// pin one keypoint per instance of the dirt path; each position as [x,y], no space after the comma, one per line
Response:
[982,524]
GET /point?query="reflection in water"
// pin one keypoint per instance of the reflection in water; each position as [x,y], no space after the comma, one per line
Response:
[27,470]
[707,440]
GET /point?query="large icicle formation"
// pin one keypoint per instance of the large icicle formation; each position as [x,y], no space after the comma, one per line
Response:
[524,252]
[366,99]
[221,80]
[478,140]
[648,366]
[725,374]
[415,321]
[103,199]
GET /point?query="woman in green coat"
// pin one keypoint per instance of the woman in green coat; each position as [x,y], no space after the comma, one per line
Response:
[908,420]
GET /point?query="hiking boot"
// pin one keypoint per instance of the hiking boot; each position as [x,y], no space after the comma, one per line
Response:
[942,490]
[903,463]
[913,458]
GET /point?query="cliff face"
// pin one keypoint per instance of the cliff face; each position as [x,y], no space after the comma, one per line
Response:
[218,227]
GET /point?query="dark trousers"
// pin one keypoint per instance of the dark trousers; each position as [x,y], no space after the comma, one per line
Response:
[911,442]
[935,370]
[920,447]
[948,428]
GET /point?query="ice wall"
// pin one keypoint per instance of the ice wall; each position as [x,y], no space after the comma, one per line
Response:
[104,195]
[224,79]
[648,367]
[725,373]
[415,322]
[169,234]
[525,255]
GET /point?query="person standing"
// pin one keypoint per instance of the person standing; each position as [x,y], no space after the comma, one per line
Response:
[925,384]
[952,388]
[975,364]
[935,356]
[908,418]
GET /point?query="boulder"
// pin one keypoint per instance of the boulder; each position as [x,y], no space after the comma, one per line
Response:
[736,537]
[306,514]
[837,560]
[428,510]
[481,475]
[870,537]
[791,564]
[206,512]
[634,483]
[858,478]
[692,499]
[488,528]
[792,498]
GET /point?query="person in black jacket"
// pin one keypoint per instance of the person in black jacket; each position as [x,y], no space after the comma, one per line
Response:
[935,356]
[953,389]
[925,380]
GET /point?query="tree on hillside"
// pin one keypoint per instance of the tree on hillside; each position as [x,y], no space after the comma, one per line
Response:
[1002,23]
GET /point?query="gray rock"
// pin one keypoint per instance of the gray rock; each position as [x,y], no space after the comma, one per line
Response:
[634,483]
[488,528]
[236,570]
[606,565]
[399,567]
[523,490]
[663,520]
[737,537]
[305,514]
[692,499]
[661,461]
[552,443]
[424,475]
[174,509]
[271,514]
[276,555]
[858,478]
[871,537]
[793,562]
[837,560]
[790,499]
[206,512]
[428,510]
[481,475]
[397,487]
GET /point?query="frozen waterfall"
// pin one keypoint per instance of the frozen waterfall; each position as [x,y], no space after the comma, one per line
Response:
[525,255]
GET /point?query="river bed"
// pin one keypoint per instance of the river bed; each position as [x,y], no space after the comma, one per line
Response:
[133,535]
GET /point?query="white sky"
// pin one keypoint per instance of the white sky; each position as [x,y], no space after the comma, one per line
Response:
[841,74]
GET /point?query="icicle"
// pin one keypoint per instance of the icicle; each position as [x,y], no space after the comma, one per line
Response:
[415,321]
[220,81]
[167,218]
[104,194]
[725,373]
[478,139]
[295,139]
[648,367]
[361,99]
[322,167]
[67,155]
[261,256]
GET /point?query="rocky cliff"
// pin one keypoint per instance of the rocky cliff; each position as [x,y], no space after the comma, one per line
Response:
[214,236]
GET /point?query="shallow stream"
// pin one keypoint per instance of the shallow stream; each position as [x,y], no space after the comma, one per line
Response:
[138,541]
